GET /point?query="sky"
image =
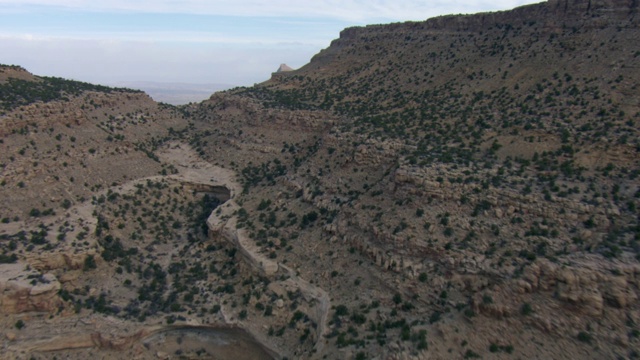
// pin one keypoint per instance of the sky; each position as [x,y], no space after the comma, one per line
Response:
[235,42]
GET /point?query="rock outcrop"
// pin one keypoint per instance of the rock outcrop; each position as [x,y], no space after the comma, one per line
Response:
[224,227]
[284,68]
[586,288]
[24,291]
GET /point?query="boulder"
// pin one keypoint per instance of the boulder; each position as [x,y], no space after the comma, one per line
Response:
[23,290]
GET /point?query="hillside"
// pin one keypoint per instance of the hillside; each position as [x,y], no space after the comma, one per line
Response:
[65,139]
[461,187]
[484,168]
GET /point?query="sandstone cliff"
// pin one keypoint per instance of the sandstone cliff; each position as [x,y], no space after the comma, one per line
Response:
[24,291]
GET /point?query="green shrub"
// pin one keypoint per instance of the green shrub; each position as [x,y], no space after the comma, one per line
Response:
[584,337]
[526,309]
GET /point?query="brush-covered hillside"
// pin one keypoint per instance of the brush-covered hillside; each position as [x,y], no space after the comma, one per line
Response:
[474,177]
[463,187]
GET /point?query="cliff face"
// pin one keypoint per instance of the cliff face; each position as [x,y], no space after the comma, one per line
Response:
[619,9]
[550,16]
[25,291]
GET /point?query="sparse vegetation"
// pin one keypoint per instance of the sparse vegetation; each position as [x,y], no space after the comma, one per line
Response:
[423,180]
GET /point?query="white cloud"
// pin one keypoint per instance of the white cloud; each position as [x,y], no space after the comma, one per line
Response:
[221,54]
[109,61]
[347,10]
[184,37]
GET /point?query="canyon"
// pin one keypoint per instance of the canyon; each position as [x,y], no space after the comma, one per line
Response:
[462,187]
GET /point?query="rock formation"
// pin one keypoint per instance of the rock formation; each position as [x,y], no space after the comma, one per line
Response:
[26,291]
[284,68]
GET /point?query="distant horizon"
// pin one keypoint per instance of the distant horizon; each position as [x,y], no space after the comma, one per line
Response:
[190,41]
[175,93]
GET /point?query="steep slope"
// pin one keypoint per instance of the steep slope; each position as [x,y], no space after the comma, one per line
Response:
[461,187]
[68,147]
[104,246]
[482,170]
[63,139]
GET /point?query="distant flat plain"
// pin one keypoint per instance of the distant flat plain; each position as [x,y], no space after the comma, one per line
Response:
[175,93]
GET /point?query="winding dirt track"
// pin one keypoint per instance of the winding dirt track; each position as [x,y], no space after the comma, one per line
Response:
[192,170]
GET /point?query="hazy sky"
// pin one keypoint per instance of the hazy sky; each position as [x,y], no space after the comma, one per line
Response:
[237,42]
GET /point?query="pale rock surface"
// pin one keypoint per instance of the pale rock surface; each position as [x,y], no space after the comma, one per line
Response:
[24,291]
